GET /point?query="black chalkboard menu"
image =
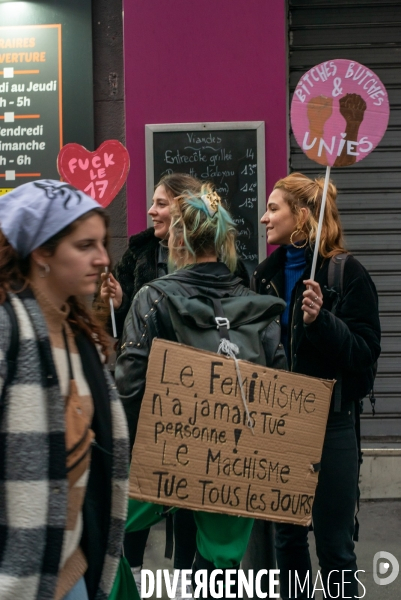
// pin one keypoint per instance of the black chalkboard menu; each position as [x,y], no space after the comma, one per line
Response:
[232,156]
[30,103]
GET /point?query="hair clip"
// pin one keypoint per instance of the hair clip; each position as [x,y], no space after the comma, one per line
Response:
[212,201]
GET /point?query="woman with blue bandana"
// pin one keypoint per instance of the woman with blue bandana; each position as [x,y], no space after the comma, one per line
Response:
[63,438]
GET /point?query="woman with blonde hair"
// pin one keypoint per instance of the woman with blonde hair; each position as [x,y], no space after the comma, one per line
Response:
[63,433]
[332,335]
[202,250]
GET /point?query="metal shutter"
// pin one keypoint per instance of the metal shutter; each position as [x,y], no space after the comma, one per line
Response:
[368,32]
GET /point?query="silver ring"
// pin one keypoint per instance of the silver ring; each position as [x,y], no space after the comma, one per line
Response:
[315,298]
[312,304]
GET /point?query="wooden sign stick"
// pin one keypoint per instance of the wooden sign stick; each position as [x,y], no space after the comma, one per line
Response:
[319,228]
[113,318]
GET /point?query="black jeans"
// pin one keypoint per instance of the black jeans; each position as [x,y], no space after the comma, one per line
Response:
[260,553]
[184,539]
[333,522]
[134,546]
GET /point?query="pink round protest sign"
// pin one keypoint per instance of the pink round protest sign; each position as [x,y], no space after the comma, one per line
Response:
[339,112]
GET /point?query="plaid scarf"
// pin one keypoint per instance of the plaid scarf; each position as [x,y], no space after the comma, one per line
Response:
[33,482]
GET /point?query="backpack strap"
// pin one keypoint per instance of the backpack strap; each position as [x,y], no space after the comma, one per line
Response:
[335,277]
[335,282]
[12,351]
[167,324]
[222,323]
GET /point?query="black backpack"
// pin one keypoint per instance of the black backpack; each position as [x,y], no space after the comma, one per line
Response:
[335,283]
[203,321]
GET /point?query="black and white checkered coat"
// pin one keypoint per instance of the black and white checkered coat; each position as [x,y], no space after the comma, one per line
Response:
[33,483]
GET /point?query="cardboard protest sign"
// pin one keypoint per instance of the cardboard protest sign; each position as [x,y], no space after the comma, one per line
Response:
[339,112]
[194,449]
[100,174]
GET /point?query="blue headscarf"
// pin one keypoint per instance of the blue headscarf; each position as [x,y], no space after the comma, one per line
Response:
[34,212]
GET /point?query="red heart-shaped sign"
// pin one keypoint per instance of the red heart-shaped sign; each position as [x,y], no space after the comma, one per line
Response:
[100,174]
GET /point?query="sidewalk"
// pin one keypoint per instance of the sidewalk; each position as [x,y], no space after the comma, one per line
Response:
[380,529]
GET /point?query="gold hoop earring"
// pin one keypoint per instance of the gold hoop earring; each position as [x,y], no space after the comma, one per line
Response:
[44,270]
[296,233]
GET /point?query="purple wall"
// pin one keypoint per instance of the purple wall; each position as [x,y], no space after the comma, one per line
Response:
[209,60]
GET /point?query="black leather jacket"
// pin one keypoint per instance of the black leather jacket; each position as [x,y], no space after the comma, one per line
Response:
[137,266]
[149,318]
[346,343]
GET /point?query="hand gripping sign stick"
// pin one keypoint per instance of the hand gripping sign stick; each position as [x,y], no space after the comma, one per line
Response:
[339,114]
[100,174]
[113,317]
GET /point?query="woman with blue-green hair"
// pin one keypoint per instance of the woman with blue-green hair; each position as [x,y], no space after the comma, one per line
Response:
[192,305]
[202,230]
